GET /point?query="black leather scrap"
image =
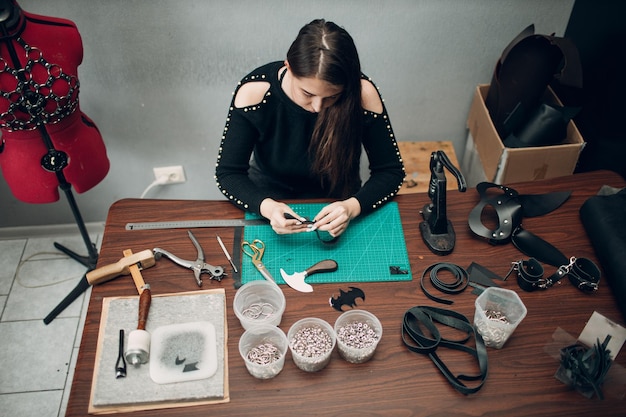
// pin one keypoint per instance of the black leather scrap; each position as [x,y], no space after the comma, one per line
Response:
[605,223]
[414,338]
[585,369]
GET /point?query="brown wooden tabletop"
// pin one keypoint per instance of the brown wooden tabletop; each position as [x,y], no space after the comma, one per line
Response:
[395,382]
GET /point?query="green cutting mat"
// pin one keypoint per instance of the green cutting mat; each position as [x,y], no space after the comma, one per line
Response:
[364,252]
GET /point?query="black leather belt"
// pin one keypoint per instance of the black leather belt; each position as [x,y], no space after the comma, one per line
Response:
[461,280]
[416,341]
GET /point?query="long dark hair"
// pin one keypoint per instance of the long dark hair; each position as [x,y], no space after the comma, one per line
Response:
[326,51]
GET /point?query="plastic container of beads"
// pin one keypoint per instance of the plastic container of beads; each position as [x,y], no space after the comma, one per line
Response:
[259,302]
[498,313]
[358,333]
[263,348]
[311,342]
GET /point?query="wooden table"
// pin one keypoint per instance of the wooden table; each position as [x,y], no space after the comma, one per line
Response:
[395,382]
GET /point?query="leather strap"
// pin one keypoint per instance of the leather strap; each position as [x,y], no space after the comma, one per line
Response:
[457,286]
[416,341]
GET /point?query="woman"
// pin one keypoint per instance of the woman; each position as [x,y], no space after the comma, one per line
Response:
[295,131]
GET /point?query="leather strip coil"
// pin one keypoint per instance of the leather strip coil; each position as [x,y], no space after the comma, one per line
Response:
[416,341]
[457,286]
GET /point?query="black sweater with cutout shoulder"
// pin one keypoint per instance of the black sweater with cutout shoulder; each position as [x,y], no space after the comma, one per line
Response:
[276,133]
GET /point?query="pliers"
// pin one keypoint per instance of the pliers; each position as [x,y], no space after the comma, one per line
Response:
[198,266]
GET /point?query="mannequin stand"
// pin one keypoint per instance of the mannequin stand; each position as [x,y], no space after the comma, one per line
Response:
[91,260]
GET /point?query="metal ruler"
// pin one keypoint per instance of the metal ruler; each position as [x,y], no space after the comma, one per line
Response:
[191,224]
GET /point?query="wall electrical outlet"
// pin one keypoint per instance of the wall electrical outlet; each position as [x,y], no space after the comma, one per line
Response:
[173,175]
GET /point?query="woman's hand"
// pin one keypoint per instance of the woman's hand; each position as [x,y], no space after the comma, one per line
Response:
[275,212]
[335,217]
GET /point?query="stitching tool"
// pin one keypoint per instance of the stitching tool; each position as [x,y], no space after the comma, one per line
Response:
[199,266]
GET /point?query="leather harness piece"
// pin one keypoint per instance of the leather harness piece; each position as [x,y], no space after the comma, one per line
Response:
[510,208]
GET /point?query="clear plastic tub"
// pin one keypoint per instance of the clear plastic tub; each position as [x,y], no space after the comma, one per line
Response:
[263,348]
[259,302]
[358,333]
[498,313]
[311,342]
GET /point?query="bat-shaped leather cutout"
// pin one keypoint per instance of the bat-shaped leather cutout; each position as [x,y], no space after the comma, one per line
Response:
[347,298]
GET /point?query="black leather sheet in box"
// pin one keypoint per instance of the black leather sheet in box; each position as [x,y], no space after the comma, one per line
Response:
[604,219]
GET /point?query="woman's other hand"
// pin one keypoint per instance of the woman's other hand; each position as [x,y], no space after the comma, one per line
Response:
[335,217]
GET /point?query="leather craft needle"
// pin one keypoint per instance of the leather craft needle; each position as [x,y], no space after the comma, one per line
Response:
[219,240]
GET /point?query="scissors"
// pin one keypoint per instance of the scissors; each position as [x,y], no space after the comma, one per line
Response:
[255,250]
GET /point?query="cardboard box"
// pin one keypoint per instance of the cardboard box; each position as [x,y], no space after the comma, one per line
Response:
[510,165]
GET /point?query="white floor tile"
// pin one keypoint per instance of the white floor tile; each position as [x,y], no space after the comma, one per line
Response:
[31,404]
[10,254]
[36,357]
[40,286]
[37,361]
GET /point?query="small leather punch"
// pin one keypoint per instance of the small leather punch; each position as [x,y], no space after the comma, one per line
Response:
[199,266]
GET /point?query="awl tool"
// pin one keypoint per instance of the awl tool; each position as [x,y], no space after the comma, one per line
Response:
[143,259]
[296,280]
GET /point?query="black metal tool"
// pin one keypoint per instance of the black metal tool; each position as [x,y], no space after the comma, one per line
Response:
[120,365]
[437,230]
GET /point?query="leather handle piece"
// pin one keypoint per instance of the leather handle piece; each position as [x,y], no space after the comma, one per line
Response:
[327,265]
[144,308]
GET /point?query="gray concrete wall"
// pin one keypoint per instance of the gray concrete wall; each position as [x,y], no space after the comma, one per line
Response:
[158,75]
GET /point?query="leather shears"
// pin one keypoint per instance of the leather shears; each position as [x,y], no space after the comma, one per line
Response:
[199,266]
[255,250]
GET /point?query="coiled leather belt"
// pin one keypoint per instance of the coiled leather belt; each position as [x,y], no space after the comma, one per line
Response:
[461,280]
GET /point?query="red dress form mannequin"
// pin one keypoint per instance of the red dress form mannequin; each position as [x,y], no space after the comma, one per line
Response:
[39,97]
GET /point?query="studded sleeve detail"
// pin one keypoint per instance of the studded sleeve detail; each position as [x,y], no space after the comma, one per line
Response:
[240,135]
[385,163]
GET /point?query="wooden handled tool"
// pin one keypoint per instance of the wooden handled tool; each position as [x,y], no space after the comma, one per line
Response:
[143,259]
[138,351]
